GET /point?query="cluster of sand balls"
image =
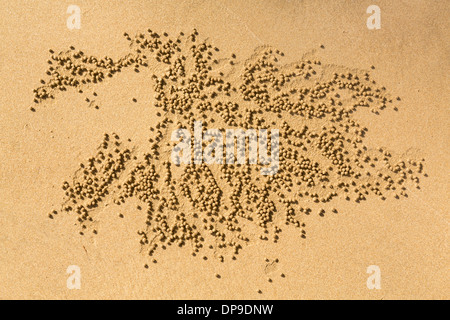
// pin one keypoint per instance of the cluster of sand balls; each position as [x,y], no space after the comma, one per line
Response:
[217,209]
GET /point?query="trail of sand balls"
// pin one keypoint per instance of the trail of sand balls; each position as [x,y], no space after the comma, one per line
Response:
[217,209]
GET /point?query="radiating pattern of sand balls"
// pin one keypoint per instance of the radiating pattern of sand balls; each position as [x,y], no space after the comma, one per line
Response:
[217,209]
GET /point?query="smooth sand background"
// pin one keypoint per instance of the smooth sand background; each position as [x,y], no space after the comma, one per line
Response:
[406,238]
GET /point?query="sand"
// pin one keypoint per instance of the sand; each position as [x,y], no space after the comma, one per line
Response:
[87,178]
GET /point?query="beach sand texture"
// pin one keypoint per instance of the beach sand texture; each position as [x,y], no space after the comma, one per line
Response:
[87,177]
